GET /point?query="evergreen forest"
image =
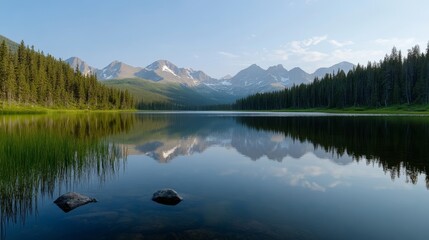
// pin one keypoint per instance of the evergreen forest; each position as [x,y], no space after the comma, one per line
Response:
[31,78]
[395,80]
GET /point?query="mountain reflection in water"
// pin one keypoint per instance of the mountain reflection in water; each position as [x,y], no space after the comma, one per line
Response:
[396,143]
[44,156]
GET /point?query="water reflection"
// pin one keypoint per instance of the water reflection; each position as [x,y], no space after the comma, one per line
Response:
[172,136]
[40,154]
[397,144]
[45,154]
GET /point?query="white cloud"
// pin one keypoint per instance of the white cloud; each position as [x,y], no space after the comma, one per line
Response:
[310,41]
[302,49]
[340,44]
[321,51]
[228,54]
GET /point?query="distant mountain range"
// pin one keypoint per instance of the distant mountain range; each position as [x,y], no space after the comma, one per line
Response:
[162,81]
[251,80]
[159,71]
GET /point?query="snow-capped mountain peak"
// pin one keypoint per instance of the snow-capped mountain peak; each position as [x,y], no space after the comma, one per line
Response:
[167,69]
[250,80]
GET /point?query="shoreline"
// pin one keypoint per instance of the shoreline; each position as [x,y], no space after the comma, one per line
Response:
[401,109]
[30,110]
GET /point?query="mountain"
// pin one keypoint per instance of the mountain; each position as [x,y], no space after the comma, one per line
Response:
[167,72]
[250,80]
[84,68]
[161,81]
[158,71]
[345,66]
[189,84]
[10,44]
[148,91]
[254,79]
[117,70]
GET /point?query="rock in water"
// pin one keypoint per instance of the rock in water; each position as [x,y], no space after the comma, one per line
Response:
[72,200]
[167,197]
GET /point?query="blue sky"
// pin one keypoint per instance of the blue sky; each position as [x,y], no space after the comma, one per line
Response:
[219,37]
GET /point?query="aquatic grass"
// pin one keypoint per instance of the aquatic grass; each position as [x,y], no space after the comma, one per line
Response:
[40,153]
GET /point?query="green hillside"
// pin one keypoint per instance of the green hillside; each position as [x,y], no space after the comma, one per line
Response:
[142,90]
[149,91]
[13,46]
[30,78]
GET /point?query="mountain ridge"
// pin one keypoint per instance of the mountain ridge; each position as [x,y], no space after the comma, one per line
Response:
[251,80]
[167,66]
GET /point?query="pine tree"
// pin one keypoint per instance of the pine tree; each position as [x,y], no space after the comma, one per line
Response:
[30,77]
[4,68]
[391,81]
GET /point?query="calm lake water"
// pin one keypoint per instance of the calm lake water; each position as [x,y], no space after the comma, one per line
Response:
[242,176]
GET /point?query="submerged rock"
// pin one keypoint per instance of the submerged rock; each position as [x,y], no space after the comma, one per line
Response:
[167,197]
[72,200]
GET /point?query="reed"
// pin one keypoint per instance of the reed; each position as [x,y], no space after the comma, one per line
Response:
[39,154]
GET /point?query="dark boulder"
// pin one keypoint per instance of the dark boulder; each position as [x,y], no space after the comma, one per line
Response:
[72,200]
[167,197]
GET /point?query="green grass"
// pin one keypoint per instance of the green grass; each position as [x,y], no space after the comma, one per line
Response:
[21,109]
[35,109]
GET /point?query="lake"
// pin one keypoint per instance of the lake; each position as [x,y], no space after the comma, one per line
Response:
[242,175]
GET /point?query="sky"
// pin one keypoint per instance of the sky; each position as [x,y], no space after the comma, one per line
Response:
[219,37]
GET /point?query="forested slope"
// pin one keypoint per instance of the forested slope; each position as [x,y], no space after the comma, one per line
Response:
[29,77]
[392,81]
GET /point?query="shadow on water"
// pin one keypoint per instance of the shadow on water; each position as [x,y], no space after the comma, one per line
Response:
[39,154]
[398,144]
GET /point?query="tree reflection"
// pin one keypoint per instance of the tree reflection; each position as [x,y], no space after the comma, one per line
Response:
[397,144]
[39,154]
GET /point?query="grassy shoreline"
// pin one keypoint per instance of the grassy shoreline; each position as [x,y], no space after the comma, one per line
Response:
[397,109]
[16,109]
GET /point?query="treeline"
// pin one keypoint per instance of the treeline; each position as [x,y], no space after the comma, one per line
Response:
[179,107]
[28,77]
[392,81]
[160,106]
